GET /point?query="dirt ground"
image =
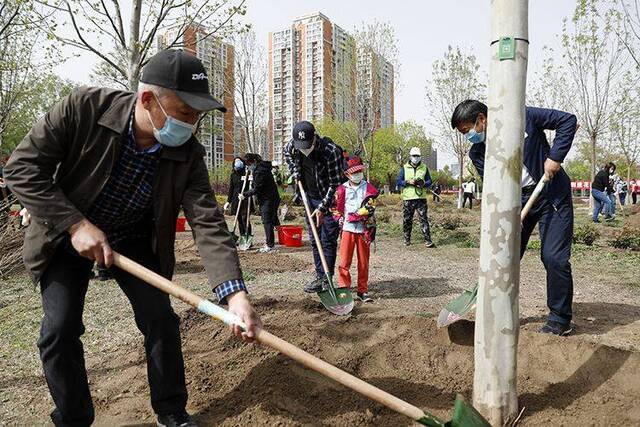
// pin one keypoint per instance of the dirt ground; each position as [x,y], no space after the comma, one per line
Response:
[589,378]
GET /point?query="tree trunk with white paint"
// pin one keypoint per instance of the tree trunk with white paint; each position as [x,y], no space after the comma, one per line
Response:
[497,326]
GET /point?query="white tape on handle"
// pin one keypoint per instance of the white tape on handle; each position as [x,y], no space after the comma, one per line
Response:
[207,307]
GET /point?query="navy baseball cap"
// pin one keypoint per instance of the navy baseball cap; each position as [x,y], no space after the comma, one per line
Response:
[303,134]
[184,74]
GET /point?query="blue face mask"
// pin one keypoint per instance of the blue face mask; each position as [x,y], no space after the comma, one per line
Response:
[474,137]
[174,132]
[238,165]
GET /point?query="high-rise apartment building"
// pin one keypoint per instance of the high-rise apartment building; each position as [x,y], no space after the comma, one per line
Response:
[216,130]
[375,90]
[312,74]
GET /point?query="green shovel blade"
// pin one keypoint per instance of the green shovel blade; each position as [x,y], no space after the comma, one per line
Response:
[458,307]
[464,415]
[338,301]
[245,241]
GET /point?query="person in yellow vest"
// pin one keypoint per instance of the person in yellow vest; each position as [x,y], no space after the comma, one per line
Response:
[414,180]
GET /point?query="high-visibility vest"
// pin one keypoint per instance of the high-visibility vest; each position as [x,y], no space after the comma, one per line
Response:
[411,192]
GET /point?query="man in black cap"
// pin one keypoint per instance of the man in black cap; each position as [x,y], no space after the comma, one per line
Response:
[319,164]
[107,169]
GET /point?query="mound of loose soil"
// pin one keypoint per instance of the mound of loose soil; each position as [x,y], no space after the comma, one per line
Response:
[561,381]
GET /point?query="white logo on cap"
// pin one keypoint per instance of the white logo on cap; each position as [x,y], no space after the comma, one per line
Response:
[201,76]
[301,134]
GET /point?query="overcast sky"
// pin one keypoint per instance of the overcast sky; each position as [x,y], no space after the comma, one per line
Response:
[424,30]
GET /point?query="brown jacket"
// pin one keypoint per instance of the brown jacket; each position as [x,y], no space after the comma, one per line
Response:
[61,166]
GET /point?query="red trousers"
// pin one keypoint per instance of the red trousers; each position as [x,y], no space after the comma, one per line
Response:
[349,242]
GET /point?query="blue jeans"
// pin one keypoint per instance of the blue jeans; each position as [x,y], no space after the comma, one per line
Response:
[601,202]
[612,197]
[329,232]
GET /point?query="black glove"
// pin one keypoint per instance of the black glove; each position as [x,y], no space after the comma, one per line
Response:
[419,182]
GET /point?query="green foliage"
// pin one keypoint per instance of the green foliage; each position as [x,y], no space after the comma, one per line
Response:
[345,134]
[444,177]
[586,234]
[578,170]
[627,238]
[390,150]
[534,245]
[449,222]
[31,105]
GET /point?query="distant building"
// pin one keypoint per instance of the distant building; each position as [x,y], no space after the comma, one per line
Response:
[375,90]
[455,170]
[217,130]
[432,160]
[316,71]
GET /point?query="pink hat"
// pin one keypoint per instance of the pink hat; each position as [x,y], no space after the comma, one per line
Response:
[354,164]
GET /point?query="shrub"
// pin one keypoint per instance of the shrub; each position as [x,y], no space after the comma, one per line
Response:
[534,245]
[383,217]
[450,222]
[586,234]
[627,238]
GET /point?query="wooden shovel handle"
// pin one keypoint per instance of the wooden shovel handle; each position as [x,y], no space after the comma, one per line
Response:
[314,230]
[534,196]
[244,183]
[270,340]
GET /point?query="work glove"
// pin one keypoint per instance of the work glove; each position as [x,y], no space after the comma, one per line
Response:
[241,197]
[419,182]
[226,206]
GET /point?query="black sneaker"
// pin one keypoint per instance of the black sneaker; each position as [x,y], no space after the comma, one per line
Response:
[178,419]
[364,297]
[556,328]
[314,286]
[407,242]
[429,244]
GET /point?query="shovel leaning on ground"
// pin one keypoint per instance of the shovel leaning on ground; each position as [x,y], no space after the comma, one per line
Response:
[245,179]
[458,307]
[464,415]
[246,240]
[337,300]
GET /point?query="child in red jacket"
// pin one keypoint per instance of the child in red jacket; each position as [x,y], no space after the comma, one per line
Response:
[354,210]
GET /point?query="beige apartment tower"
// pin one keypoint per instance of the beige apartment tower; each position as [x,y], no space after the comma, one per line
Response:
[312,74]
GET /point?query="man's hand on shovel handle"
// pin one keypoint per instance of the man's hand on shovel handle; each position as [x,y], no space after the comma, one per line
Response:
[319,216]
[240,305]
[90,242]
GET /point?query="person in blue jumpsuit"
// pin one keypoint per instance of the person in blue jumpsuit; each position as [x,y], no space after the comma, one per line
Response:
[553,211]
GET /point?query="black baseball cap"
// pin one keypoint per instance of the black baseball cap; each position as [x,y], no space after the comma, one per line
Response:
[183,73]
[303,134]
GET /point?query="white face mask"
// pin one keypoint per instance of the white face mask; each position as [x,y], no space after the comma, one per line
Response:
[356,178]
[415,159]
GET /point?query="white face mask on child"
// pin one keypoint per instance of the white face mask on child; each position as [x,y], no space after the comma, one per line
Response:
[356,178]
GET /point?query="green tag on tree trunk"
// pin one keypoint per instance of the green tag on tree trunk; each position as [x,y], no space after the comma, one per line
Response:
[507,48]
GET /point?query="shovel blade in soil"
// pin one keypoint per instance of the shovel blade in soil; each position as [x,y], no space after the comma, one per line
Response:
[339,302]
[458,307]
[245,242]
[466,415]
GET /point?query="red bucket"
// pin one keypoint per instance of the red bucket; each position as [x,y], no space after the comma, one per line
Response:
[290,235]
[180,224]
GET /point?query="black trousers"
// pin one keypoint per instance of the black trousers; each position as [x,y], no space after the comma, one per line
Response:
[467,196]
[269,213]
[409,207]
[242,221]
[63,287]
[555,224]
